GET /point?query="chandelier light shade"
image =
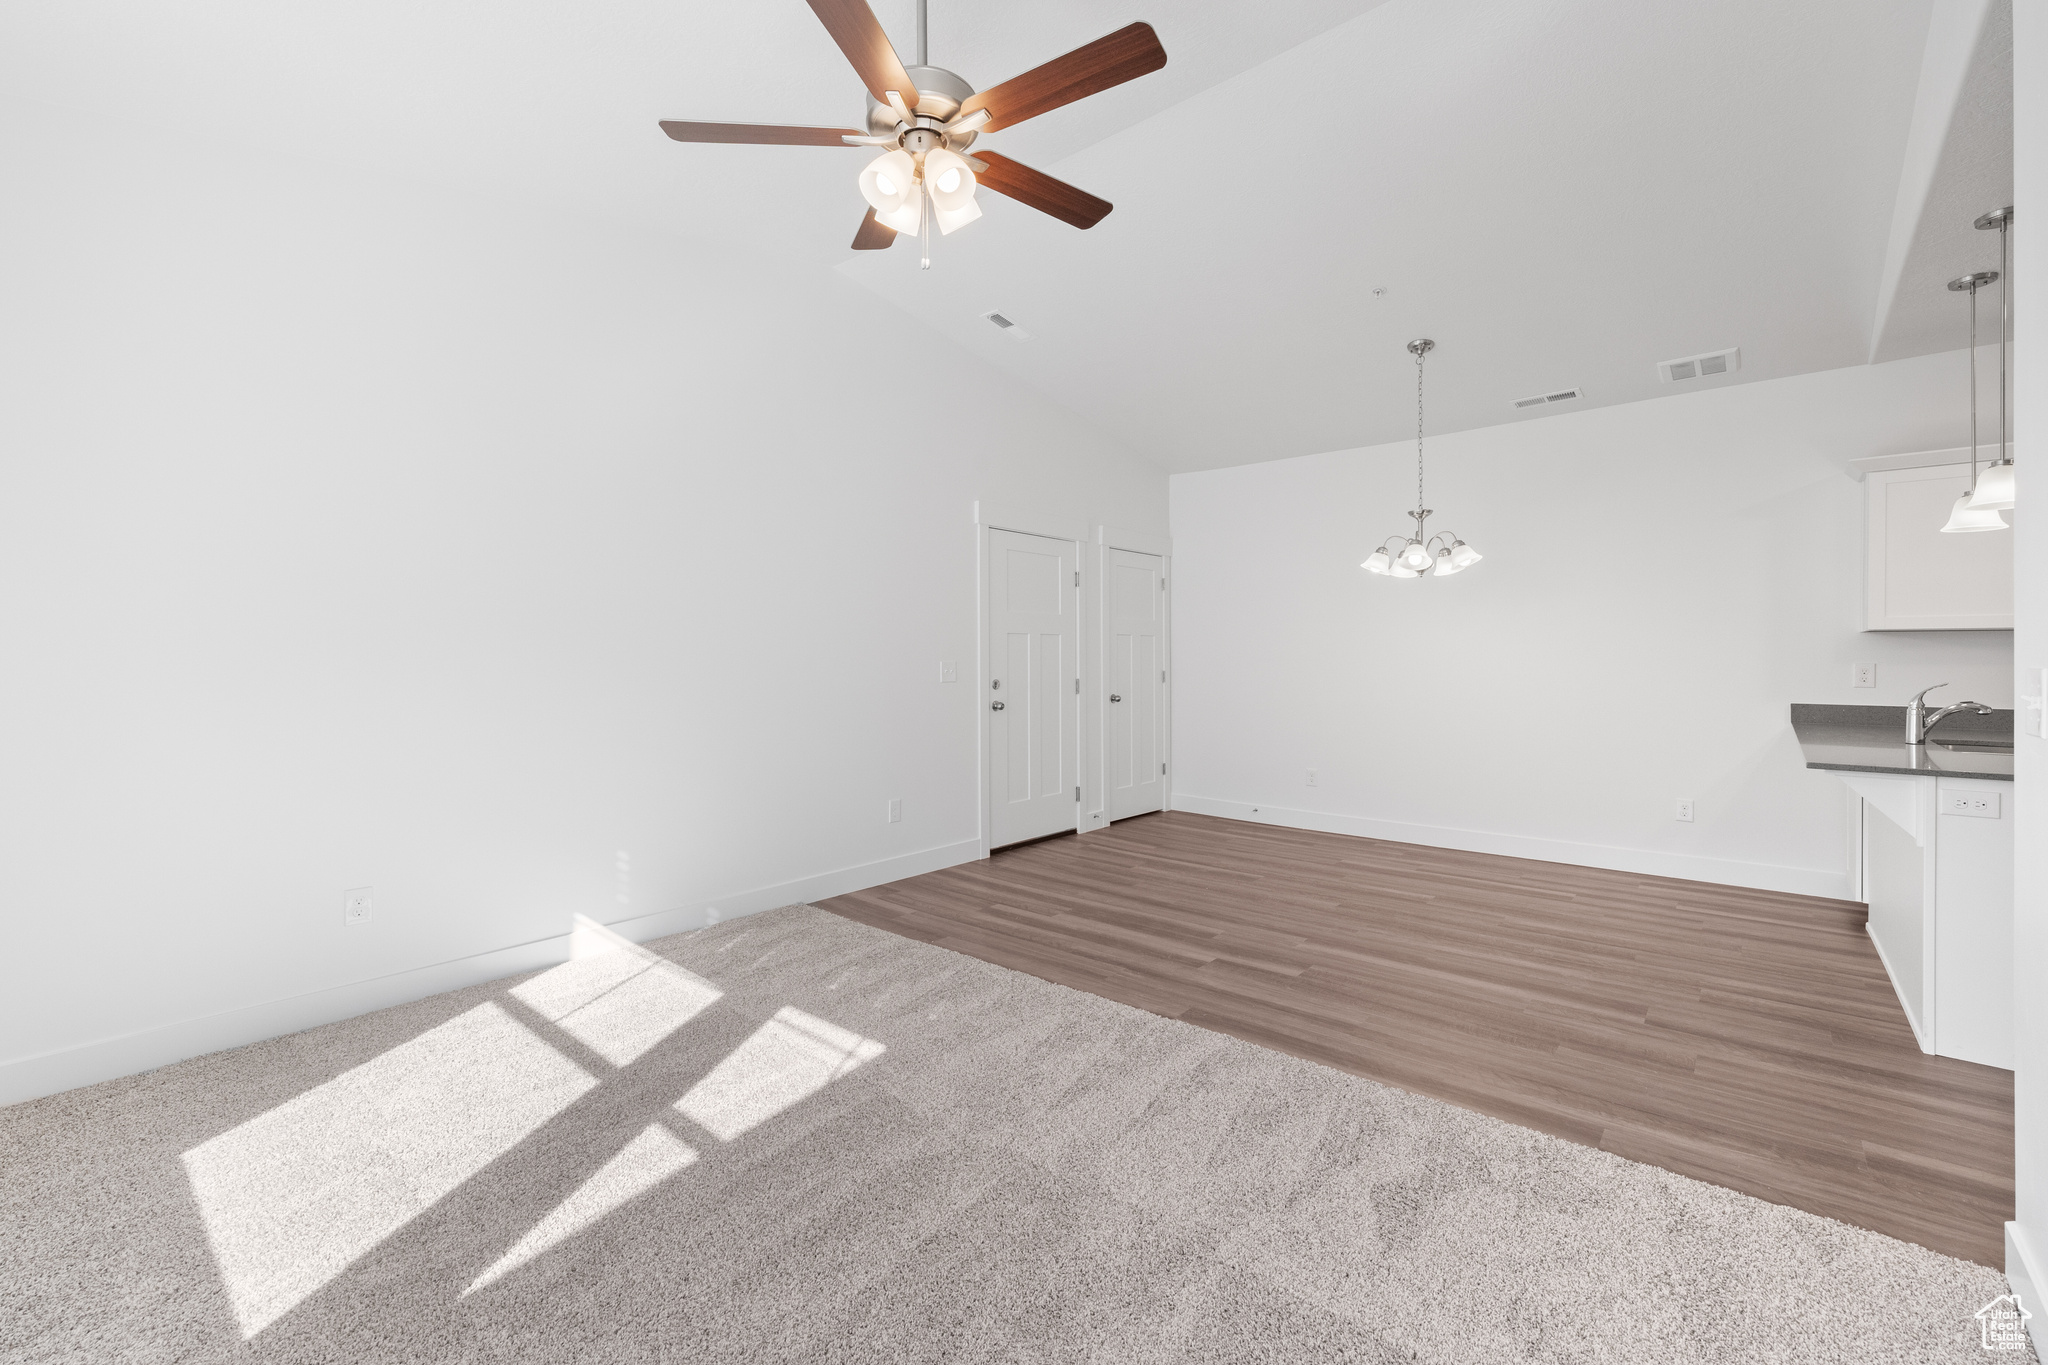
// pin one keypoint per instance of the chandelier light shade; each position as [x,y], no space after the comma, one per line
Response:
[1995,486]
[1966,515]
[1418,553]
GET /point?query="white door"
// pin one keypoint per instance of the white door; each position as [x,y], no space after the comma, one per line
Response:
[1034,664]
[1137,677]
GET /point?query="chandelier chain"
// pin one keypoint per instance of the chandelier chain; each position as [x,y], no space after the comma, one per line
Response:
[1418,435]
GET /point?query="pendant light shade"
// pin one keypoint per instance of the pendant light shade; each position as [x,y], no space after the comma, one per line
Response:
[1446,565]
[1994,489]
[1464,556]
[1400,570]
[1964,517]
[1377,562]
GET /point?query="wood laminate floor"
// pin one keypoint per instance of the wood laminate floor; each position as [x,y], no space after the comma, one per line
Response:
[1748,1038]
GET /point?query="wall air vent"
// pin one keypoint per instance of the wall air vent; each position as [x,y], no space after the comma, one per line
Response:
[1700,366]
[1007,327]
[1560,396]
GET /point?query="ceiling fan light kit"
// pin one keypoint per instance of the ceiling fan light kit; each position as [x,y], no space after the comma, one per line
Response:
[926,117]
[1442,554]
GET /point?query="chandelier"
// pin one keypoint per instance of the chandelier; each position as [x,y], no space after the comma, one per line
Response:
[1421,552]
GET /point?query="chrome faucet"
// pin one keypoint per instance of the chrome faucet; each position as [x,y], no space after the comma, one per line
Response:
[1918,722]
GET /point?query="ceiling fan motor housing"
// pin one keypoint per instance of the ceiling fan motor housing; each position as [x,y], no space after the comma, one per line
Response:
[940,93]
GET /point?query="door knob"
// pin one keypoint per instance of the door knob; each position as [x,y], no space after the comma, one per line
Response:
[1114,697]
[995,706]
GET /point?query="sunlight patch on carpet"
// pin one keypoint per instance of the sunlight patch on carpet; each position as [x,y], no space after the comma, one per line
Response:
[294,1196]
[619,1000]
[788,1059]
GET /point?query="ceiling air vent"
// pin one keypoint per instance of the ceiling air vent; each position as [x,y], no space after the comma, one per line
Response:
[1700,366]
[1007,327]
[1560,396]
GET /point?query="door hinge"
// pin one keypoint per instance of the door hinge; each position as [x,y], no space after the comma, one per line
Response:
[1077,793]
[1077,687]
[1162,768]
[1077,578]
[1162,675]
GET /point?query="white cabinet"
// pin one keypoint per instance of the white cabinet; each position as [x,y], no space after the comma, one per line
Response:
[1936,869]
[1915,576]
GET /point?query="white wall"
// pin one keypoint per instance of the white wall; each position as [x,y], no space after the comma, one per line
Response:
[1662,580]
[2027,1240]
[352,534]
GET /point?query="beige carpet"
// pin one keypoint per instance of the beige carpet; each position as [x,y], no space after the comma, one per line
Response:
[795,1138]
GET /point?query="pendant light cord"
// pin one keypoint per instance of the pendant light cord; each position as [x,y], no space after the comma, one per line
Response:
[2004,324]
[1973,386]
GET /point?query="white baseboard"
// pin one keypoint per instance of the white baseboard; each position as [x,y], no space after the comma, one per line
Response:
[26,1078]
[2028,1275]
[1802,881]
[1912,1021]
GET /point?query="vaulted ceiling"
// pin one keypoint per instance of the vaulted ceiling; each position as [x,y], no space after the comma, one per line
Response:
[1560,192]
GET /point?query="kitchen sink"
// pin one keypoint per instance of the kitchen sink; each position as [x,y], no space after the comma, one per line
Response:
[1976,746]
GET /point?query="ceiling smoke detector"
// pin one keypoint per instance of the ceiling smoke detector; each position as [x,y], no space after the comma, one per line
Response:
[1008,328]
[1700,366]
[1560,396]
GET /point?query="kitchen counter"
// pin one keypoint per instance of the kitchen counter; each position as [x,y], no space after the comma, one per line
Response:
[1872,739]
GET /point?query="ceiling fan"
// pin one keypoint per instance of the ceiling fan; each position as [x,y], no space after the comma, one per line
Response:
[928,116]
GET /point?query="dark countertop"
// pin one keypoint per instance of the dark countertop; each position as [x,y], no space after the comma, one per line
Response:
[1872,739]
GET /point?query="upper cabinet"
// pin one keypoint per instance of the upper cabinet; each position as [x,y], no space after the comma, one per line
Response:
[1916,576]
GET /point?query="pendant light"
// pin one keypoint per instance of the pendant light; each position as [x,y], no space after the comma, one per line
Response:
[1995,485]
[1414,555]
[1963,517]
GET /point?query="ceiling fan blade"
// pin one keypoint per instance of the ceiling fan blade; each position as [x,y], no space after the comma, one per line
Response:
[1122,56]
[873,234]
[782,134]
[854,27]
[1041,191]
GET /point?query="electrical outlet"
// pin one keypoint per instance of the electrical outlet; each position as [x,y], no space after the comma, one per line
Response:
[895,812]
[355,905]
[948,672]
[1983,805]
[1863,675]
[1684,809]
[1311,777]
